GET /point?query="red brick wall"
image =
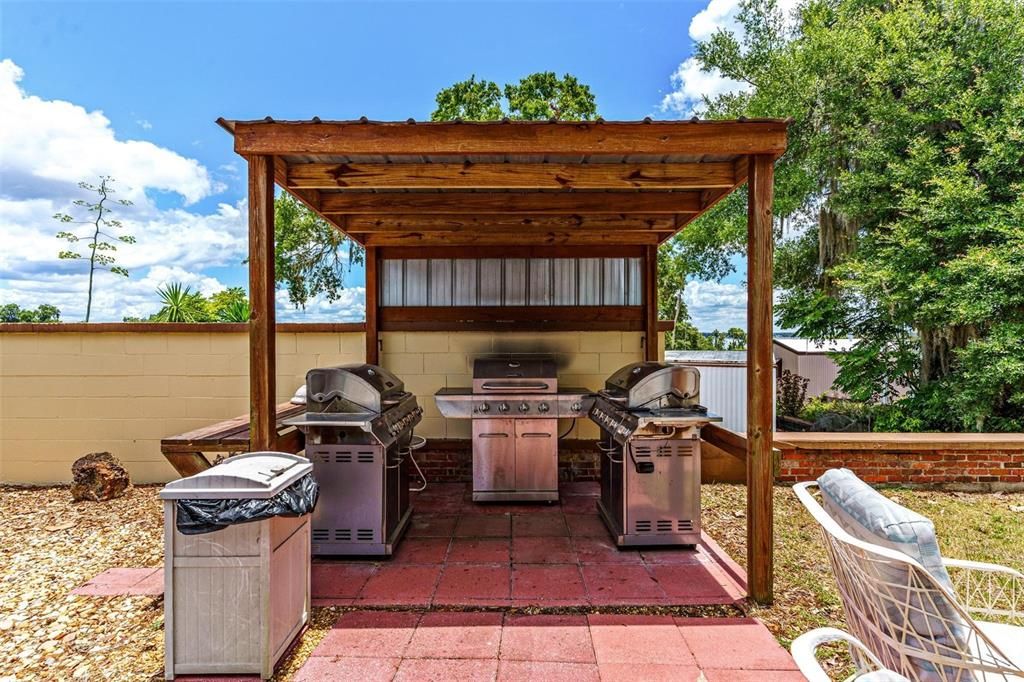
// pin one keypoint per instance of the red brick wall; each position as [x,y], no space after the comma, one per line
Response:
[981,468]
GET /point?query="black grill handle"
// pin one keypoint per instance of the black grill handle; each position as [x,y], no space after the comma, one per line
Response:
[642,467]
[513,386]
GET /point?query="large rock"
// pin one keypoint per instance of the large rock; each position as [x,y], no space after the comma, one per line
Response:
[98,476]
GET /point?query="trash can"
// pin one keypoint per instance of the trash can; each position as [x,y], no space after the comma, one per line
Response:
[236,571]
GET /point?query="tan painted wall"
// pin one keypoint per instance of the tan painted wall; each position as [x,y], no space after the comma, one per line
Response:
[427,361]
[65,394]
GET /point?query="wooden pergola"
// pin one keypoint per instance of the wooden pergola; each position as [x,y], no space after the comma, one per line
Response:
[521,189]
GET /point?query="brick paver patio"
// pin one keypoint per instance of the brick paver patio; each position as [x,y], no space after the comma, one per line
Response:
[457,646]
[459,553]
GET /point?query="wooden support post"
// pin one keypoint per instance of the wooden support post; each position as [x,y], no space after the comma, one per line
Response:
[372,305]
[650,280]
[760,242]
[262,380]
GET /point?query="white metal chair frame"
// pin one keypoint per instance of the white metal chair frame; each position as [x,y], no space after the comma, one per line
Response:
[805,647]
[960,651]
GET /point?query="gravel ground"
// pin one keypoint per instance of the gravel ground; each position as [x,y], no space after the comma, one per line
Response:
[49,546]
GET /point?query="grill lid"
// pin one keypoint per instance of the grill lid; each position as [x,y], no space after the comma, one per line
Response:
[352,388]
[513,374]
[654,385]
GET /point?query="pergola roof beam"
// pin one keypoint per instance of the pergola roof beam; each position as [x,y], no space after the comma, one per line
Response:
[582,138]
[535,203]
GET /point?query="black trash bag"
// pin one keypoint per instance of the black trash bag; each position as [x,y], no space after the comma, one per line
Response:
[206,516]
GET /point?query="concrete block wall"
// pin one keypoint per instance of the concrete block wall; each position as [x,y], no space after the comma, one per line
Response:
[63,394]
[428,361]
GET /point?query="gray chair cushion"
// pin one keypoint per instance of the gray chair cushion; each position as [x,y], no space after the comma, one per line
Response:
[866,514]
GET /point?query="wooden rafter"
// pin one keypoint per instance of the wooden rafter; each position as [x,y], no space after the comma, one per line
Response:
[532,203]
[551,238]
[540,176]
[499,223]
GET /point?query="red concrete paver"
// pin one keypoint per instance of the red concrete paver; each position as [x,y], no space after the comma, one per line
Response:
[483,526]
[150,586]
[123,581]
[421,551]
[480,551]
[427,525]
[649,672]
[401,585]
[691,581]
[341,669]
[586,525]
[673,555]
[734,644]
[601,550]
[547,671]
[720,675]
[525,525]
[339,580]
[615,582]
[579,505]
[446,670]
[461,581]
[638,639]
[547,582]
[369,634]
[547,638]
[456,635]
[543,550]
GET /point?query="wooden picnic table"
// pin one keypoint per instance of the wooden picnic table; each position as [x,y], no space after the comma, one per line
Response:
[186,452]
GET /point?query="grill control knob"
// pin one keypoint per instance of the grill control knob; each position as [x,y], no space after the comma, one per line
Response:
[543,407]
[576,407]
[524,407]
[503,407]
[483,407]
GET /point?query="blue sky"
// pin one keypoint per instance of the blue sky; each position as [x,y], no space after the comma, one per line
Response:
[104,77]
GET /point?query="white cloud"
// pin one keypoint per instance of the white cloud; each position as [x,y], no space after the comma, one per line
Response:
[715,305]
[350,307]
[50,145]
[47,142]
[689,83]
[144,124]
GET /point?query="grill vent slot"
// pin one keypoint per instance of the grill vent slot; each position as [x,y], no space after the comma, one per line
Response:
[365,457]
[642,526]
[664,526]
[364,535]
[342,459]
[321,535]
[342,534]
[684,524]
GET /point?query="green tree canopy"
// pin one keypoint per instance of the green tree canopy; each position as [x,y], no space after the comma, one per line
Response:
[905,179]
[12,312]
[536,97]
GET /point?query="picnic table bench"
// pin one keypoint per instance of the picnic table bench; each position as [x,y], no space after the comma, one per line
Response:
[187,452]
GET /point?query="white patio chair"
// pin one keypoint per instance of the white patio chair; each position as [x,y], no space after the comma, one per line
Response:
[918,621]
[868,668]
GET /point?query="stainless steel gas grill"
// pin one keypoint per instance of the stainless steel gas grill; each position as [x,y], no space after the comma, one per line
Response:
[359,423]
[515,404]
[650,420]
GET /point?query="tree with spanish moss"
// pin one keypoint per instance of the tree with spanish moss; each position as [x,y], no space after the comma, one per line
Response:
[100,251]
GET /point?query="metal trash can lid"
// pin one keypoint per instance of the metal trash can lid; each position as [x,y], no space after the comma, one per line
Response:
[254,475]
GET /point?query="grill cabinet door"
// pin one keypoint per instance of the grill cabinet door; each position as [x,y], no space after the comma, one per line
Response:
[536,454]
[494,454]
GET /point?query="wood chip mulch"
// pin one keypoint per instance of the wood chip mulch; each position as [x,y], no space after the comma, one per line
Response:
[49,546]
